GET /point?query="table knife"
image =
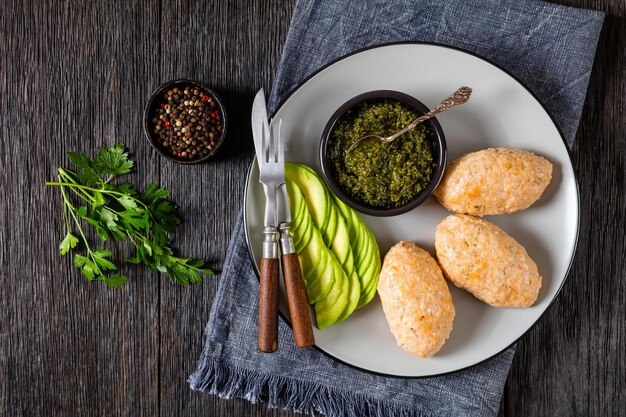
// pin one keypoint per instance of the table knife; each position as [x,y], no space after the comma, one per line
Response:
[268,271]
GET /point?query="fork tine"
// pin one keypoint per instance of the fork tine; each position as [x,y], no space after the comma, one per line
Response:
[273,167]
[281,143]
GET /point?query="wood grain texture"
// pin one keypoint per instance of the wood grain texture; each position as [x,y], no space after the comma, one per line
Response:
[572,363]
[76,75]
[70,347]
[297,300]
[268,304]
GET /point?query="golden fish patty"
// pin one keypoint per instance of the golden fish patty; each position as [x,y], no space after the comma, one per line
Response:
[494,181]
[479,257]
[416,299]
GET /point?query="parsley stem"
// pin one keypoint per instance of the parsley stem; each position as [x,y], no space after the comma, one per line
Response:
[83,187]
[67,175]
[130,236]
[65,215]
[95,190]
[71,210]
[90,253]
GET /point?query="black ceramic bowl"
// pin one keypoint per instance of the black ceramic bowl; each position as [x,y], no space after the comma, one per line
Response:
[434,134]
[158,97]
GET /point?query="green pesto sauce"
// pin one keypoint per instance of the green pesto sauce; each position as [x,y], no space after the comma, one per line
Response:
[382,175]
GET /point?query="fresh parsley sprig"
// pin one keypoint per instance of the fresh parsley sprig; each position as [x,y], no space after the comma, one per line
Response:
[121,213]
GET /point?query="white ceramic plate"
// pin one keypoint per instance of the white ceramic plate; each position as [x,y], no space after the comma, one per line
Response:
[501,113]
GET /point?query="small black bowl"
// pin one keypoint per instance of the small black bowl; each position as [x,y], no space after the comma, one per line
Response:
[434,134]
[150,112]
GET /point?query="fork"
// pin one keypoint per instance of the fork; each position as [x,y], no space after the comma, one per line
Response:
[269,176]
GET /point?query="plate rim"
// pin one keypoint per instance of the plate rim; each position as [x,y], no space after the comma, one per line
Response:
[567,150]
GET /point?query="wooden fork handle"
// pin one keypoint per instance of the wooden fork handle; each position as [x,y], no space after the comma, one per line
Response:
[296,292]
[268,305]
[297,300]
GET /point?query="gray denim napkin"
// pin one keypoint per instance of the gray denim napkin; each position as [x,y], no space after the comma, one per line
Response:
[549,47]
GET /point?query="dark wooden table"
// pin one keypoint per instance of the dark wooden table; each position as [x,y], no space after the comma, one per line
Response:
[75,75]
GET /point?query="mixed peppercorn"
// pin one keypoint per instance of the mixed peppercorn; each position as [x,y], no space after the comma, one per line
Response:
[187,123]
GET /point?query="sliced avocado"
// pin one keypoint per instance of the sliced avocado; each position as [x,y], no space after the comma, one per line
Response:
[302,235]
[331,227]
[358,242]
[369,266]
[366,260]
[350,239]
[354,294]
[314,192]
[308,168]
[312,275]
[376,249]
[351,217]
[343,208]
[370,272]
[301,222]
[335,292]
[348,264]
[330,308]
[361,244]
[313,256]
[362,259]
[341,242]
[369,278]
[296,203]
[299,217]
[339,254]
[367,297]
[319,285]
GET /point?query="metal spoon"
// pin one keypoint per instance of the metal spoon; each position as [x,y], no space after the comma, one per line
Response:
[460,96]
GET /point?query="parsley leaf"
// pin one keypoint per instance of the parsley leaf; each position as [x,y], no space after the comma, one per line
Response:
[115,280]
[113,161]
[120,212]
[79,159]
[69,242]
[154,193]
[99,257]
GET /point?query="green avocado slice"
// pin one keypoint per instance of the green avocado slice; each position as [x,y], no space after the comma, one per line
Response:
[297,205]
[369,267]
[340,244]
[353,297]
[314,192]
[332,306]
[331,227]
[319,286]
[302,235]
[313,256]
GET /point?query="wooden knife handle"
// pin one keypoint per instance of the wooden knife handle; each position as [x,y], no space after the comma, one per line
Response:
[268,305]
[297,300]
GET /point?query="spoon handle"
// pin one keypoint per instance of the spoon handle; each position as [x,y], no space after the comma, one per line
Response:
[460,96]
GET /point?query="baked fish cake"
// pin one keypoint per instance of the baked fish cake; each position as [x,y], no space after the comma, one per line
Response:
[494,181]
[479,257]
[416,299]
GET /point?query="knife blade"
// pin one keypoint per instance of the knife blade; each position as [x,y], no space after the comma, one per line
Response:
[268,273]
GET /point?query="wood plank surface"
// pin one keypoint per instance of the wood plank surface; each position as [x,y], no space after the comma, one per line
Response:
[75,75]
[572,363]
